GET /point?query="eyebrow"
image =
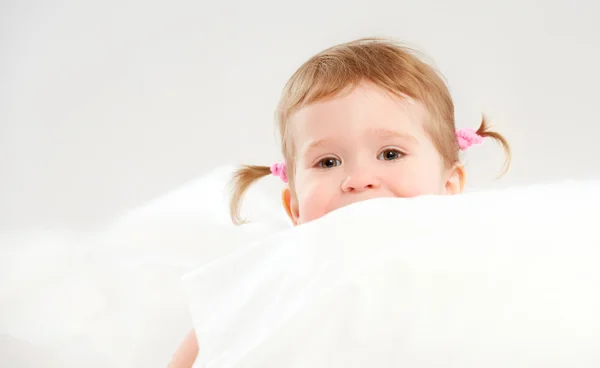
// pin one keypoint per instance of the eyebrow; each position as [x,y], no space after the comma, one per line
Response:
[378,132]
[389,133]
[315,144]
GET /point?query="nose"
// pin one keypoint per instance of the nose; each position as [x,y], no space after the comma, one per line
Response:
[359,182]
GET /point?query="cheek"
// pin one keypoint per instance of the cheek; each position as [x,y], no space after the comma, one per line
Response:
[422,187]
[418,182]
[314,197]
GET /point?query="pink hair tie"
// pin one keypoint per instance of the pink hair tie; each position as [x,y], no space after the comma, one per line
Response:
[467,137]
[279,170]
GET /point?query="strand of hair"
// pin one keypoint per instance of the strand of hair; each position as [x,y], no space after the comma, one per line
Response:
[241,181]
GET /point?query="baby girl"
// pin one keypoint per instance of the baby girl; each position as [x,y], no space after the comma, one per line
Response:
[361,120]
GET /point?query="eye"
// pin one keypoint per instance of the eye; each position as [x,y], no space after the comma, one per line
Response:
[328,163]
[390,155]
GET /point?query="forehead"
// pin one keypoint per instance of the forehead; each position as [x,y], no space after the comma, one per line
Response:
[353,113]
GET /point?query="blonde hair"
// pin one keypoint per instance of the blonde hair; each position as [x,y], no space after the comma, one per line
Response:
[384,63]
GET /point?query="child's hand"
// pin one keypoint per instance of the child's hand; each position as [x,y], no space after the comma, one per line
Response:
[186,353]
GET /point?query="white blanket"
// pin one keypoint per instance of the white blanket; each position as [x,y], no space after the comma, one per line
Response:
[492,279]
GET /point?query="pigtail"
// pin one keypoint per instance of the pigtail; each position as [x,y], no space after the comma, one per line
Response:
[485,132]
[241,181]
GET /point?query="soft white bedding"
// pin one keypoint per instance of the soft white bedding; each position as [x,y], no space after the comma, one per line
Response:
[492,279]
[114,298]
[75,300]
[400,284]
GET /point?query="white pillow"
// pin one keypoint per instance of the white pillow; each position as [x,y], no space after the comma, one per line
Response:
[206,200]
[188,217]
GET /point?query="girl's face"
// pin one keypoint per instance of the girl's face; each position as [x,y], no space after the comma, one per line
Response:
[363,145]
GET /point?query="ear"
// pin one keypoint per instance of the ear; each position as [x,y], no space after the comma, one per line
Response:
[291,205]
[455,180]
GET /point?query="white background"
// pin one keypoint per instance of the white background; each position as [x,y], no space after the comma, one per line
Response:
[105,105]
